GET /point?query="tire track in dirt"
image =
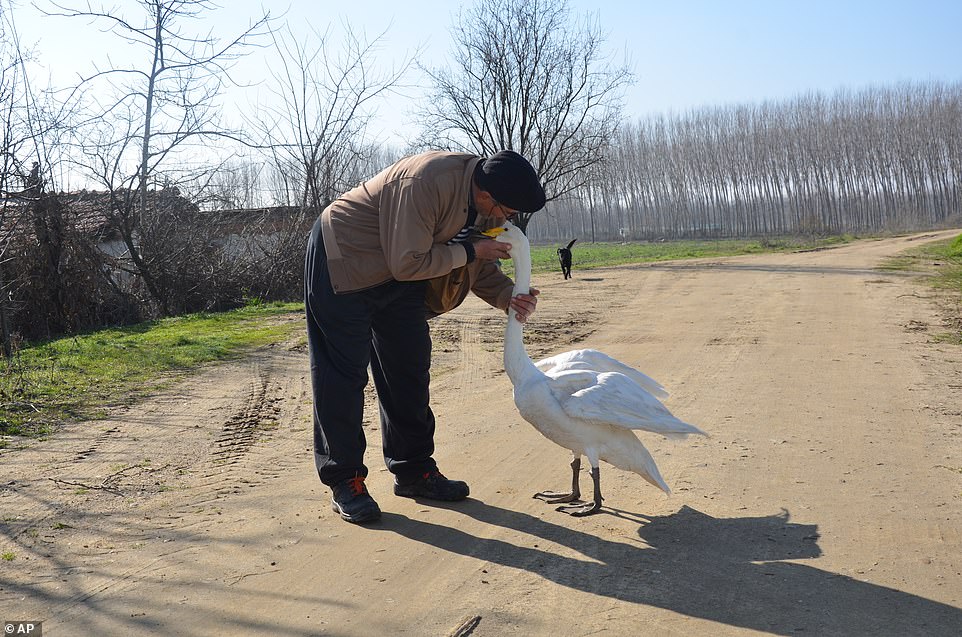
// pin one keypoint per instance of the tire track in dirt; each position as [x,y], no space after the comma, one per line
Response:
[115,486]
[242,429]
[246,452]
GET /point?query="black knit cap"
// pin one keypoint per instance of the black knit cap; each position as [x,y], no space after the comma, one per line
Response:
[512,181]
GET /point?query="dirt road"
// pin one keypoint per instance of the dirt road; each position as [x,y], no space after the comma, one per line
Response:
[826,502]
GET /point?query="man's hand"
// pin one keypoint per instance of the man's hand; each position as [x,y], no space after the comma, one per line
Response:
[525,304]
[491,249]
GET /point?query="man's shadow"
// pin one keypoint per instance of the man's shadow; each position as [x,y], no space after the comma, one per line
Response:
[728,570]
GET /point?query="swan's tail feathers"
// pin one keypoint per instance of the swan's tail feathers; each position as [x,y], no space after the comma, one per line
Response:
[632,455]
[653,477]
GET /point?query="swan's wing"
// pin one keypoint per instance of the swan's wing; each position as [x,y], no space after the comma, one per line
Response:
[564,381]
[616,400]
[567,357]
[593,360]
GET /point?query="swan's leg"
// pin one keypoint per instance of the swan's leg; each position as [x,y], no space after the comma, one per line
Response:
[586,508]
[554,497]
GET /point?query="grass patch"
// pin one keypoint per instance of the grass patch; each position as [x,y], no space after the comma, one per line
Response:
[75,377]
[954,249]
[942,260]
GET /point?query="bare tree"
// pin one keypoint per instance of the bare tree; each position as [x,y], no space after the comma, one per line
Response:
[9,64]
[21,179]
[323,99]
[147,118]
[52,277]
[323,94]
[529,78]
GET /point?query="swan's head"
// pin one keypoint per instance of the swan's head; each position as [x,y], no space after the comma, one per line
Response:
[510,234]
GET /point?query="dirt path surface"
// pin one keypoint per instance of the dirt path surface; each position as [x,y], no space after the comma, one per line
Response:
[826,502]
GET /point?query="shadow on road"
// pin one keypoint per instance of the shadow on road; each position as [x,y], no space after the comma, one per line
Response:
[731,570]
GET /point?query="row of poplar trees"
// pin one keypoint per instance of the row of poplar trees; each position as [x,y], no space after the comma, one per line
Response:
[874,160]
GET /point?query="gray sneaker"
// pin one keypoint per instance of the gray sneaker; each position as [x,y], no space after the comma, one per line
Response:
[433,486]
[352,501]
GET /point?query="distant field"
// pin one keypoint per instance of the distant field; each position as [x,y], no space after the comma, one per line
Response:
[544,258]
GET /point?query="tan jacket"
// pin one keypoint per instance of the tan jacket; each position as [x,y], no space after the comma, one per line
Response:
[396,226]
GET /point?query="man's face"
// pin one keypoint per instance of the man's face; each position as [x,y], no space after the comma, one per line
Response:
[498,211]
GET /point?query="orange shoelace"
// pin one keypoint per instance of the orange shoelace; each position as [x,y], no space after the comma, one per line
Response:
[357,485]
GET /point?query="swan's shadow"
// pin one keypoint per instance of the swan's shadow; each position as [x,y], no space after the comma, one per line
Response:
[727,570]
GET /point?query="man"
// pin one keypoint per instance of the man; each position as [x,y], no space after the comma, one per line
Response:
[381,260]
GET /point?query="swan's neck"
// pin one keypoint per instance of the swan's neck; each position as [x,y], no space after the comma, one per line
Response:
[517,363]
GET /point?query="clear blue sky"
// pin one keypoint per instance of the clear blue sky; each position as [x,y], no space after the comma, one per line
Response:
[697,53]
[685,54]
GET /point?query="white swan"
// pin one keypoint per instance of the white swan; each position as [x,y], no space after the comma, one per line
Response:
[583,400]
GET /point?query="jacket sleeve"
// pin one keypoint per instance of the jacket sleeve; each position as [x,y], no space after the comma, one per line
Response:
[409,213]
[490,284]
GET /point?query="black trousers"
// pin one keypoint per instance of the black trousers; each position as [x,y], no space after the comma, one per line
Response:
[384,327]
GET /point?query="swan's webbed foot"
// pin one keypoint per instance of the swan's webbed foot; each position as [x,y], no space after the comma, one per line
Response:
[556,497]
[573,496]
[580,509]
[586,508]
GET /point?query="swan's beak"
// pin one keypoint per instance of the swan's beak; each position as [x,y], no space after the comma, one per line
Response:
[494,232]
